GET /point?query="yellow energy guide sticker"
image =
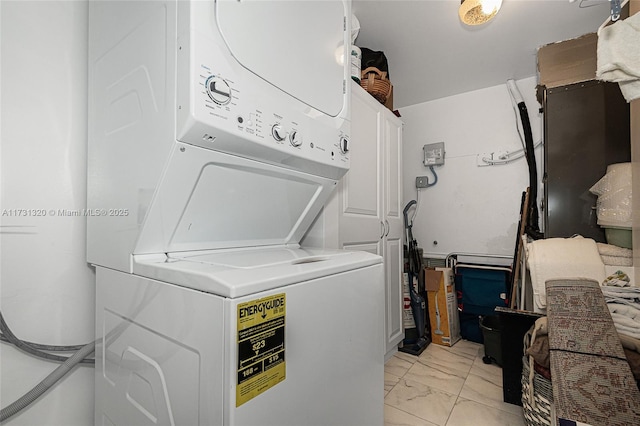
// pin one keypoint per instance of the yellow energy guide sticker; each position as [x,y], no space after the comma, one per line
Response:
[261,363]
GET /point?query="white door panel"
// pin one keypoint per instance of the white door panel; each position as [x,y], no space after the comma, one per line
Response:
[393,169]
[393,205]
[361,203]
[362,185]
[374,247]
[393,254]
[393,261]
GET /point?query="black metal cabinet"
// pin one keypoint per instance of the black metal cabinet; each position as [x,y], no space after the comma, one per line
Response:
[586,128]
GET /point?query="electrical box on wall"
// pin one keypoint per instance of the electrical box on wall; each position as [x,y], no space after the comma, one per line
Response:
[433,154]
[422,182]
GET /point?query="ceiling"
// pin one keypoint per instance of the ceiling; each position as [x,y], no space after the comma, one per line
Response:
[433,55]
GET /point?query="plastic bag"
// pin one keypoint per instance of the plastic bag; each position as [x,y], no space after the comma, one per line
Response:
[614,192]
[373,59]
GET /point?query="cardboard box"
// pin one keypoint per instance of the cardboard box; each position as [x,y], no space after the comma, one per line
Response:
[443,306]
[568,62]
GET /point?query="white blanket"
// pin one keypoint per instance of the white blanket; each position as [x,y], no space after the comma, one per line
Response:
[630,312]
[552,258]
[617,260]
[623,301]
[623,322]
[618,56]
[630,293]
[611,250]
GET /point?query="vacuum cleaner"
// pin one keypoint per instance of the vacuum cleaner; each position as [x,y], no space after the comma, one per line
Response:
[416,340]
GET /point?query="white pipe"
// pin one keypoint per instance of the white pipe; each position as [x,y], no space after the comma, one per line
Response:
[515,93]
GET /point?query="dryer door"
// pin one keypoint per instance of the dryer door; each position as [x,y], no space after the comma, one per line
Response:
[298,46]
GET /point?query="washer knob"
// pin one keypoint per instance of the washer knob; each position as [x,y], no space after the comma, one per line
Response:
[344,145]
[218,90]
[295,139]
[278,132]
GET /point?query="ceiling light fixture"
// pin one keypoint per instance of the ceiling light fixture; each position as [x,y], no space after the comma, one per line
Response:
[476,12]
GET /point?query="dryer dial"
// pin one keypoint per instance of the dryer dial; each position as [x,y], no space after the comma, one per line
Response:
[295,139]
[344,145]
[218,90]
[278,132]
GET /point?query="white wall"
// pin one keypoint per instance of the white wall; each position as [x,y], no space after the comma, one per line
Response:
[471,209]
[47,288]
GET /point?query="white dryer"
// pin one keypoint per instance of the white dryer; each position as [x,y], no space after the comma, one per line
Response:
[217,130]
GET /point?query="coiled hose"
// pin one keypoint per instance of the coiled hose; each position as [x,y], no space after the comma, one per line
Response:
[36,349]
[47,382]
[81,356]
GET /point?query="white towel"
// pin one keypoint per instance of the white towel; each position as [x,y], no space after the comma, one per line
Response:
[626,319]
[630,310]
[614,251]
[625,326]
[631,293]
[561,258]
[618,56]
[617,261]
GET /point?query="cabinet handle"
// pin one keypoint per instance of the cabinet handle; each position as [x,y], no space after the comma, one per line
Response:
[386,222]
[384,229]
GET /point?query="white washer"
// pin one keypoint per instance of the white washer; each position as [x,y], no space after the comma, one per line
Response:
[173,355]
[217,130]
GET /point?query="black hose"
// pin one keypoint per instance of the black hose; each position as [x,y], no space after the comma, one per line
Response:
[532,228]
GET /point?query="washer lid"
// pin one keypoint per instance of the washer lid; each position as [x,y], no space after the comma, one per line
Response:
[298,46]
[239,272]
[209,200]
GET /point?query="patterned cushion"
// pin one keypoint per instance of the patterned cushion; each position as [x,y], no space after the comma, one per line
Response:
[592,381]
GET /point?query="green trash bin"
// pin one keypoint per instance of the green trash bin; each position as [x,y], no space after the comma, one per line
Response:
[490,326]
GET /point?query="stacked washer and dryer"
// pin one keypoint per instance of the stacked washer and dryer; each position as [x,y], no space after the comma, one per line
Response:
[217,131]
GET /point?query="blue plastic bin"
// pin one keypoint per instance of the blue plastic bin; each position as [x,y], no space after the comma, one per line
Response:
[479,291]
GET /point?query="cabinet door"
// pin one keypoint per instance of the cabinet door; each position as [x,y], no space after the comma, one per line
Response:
[393,175]
[360,219]
[370,200]
[586,129]
[392,210]
[393,261]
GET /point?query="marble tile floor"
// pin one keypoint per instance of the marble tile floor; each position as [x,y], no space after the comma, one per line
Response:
[446,387]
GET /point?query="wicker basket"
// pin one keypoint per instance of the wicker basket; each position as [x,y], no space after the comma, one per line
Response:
[376,83]
[537,397]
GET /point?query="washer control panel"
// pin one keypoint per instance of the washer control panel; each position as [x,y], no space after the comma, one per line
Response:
[229,109]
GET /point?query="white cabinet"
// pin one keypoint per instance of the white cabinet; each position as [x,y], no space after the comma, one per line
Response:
[365,212]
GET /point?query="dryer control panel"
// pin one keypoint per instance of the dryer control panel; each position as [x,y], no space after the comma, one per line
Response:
[225,106]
